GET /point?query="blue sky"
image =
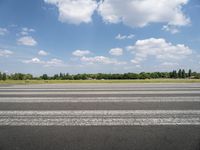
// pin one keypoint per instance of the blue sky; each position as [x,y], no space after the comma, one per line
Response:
[89,36]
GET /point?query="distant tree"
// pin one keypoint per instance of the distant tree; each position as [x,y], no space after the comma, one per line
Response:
[56,77]
[99,76]
[44,77]
[179,73]
[77,77]
[4,76]
[134,76]
[68,77]
[154,75]
[61,76]
[183,74]
[189,73]
[174,74]
[144,75]
[21,76]
[164,75]
[127,75]
[197,76]
[28,77]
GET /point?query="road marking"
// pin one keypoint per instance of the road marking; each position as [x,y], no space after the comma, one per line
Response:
[99,89]
[95,99]
[102,92]
[100,118]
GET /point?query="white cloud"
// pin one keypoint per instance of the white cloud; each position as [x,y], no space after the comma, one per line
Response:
[80,53]
[137,66]
[74,11]
[101,60]
[3,31]
[43,53]
[135,61]
[159,49]
[139,13]
[170,28]
[116,51]
[54,62]
[33,61]
[169,64]
[5,53]
[26,31]
[123,37]
[27,40]
[51,63]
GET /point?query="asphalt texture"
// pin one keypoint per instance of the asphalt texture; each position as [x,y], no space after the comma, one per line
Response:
[100,117]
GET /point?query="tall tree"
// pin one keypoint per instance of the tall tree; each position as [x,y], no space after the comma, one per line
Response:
[44,77]
[4,76]
[174,74]
[183,74]
[179,73]
[189,73]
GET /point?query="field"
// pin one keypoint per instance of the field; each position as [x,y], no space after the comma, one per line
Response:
[100,81]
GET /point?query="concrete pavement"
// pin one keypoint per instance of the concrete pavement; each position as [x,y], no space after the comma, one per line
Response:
[100,116]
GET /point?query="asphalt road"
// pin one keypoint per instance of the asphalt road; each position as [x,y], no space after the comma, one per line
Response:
[100,116]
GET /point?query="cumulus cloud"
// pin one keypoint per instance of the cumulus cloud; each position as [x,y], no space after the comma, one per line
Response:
[170,28]
[3,31]
[169,64]
[158,48]
[43,53]
[51,63]
[54,62]
[5,53]
[34,61]
[26,31]
[80,53]
[101,60]
[123,37]
[74,11]
[139,13]
[27,40]
[116,51]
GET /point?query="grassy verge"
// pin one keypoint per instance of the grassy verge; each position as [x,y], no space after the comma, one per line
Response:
[100,81]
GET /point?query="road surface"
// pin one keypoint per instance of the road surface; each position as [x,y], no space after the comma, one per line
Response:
[100,117]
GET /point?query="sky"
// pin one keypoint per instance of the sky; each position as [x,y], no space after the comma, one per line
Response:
[91,36]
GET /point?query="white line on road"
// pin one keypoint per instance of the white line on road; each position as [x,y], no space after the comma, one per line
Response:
[100,92]
[95,99]
[99,89]
[100,118]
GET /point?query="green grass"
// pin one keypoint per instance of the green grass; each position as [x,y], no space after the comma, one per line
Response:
[100,81]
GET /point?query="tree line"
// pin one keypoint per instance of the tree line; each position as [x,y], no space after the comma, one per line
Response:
[181,73]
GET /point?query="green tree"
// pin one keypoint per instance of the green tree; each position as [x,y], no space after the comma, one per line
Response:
[44,77]
[189,73]
[4,76]
[179,73]
[174,74]
[0,76]
[68,77]
[144,75]
[56,77]
[183,74]
[154,75]
[61,76]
